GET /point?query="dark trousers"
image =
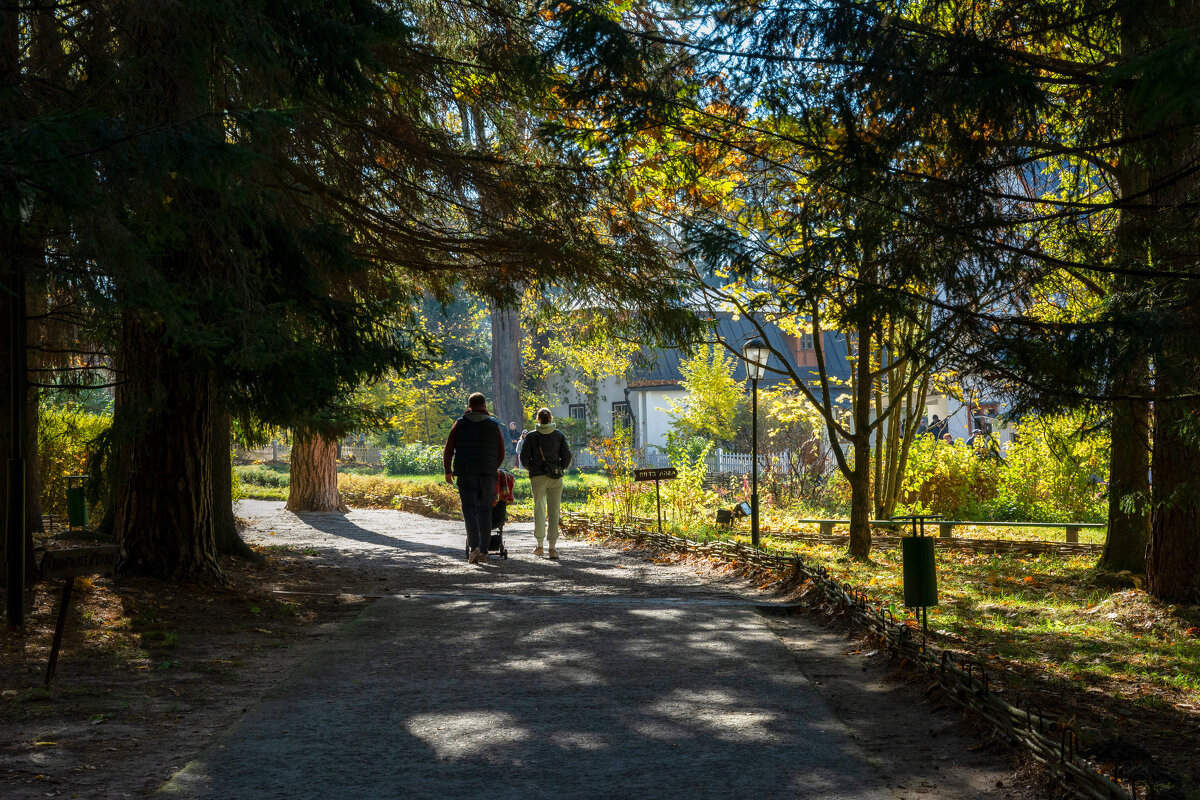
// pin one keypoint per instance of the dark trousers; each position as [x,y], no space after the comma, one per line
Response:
[478,495]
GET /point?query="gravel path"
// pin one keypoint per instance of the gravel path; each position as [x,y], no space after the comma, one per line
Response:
[601,675]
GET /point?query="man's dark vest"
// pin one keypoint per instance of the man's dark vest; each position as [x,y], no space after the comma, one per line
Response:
[476,446]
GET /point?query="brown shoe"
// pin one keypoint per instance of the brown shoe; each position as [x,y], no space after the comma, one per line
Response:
[538,551]
[471,559]
[553,553]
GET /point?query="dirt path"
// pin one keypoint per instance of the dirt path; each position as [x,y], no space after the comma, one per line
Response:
[502,680]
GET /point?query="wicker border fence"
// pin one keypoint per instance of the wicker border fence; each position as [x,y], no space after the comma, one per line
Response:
[964,681]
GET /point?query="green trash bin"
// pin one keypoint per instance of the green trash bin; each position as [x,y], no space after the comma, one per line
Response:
[77,509]
[920,573]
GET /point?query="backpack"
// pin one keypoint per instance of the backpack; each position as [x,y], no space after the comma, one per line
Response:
[552,471]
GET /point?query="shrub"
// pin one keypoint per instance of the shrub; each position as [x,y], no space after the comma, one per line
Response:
[261,476]
[238,490]
[65,437]
[1054,473]
[1050,473]
[381,492]
[412,459]
[951,480]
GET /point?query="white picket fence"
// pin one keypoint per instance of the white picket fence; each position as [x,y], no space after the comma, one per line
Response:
[282,452]
[719,461]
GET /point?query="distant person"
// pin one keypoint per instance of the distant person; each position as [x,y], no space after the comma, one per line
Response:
[546,454]
[474,450]
[937,427]
[948,438]
[922,426]
[976,434]
[514,436]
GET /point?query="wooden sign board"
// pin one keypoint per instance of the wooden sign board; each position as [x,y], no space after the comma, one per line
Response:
[660,474]
[79,561]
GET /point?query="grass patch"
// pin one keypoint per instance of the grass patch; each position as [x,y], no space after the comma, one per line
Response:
[253,492]
[1043,614]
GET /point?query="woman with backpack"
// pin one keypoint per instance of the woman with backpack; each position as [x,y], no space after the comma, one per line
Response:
[546,455]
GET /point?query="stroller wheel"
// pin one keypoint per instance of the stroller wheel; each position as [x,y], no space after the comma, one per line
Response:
[504,553]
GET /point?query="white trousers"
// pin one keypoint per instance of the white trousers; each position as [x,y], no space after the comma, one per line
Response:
[547,493]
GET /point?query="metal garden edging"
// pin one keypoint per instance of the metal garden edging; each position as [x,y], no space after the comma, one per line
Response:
[967,683]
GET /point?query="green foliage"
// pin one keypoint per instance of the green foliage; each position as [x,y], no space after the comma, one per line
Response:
[1054,472]
[949,479]
[1051,473]
[262,476]
[576,430]
[687,496]
[618,459]
[237,490]
[65,438]
[709,410]
[412,459]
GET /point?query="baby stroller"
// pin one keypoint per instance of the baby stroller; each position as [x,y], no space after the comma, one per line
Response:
[504,496]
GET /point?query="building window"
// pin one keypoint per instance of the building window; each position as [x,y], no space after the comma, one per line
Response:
[622,416]
[574,427]
[803,350]
[982,416]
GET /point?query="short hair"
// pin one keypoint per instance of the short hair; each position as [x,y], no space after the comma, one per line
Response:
[544,416]
[477,400]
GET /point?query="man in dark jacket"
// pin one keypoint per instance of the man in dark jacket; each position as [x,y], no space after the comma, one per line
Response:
[474,451]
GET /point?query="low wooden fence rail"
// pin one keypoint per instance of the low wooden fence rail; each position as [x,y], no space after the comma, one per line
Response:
[964,680]
[946,526]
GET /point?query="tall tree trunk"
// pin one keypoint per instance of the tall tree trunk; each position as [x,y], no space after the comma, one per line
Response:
[162,506]
[1129,457]
[36,303]
[507,373]
[860,500]
[29,412]
[1129,478]
[312,483]
[1169,152]
[1173,555]
[28,409]
[229,542]
[860,477]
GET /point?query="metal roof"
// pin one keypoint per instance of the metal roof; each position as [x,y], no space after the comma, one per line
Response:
[659,367]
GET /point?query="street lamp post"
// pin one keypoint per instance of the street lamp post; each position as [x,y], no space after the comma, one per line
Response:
[755,353]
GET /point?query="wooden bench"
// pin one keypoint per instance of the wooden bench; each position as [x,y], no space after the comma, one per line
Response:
[946,526]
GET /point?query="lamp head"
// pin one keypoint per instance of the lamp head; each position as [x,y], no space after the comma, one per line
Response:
[755,353]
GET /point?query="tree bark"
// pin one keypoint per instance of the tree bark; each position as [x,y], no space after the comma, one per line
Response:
[229,541]
[1169,151]
[162,506]
[860,500]
[12,247]
[860,477]
[312,484]
[507,373]
[1128,481]
[1173,554]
